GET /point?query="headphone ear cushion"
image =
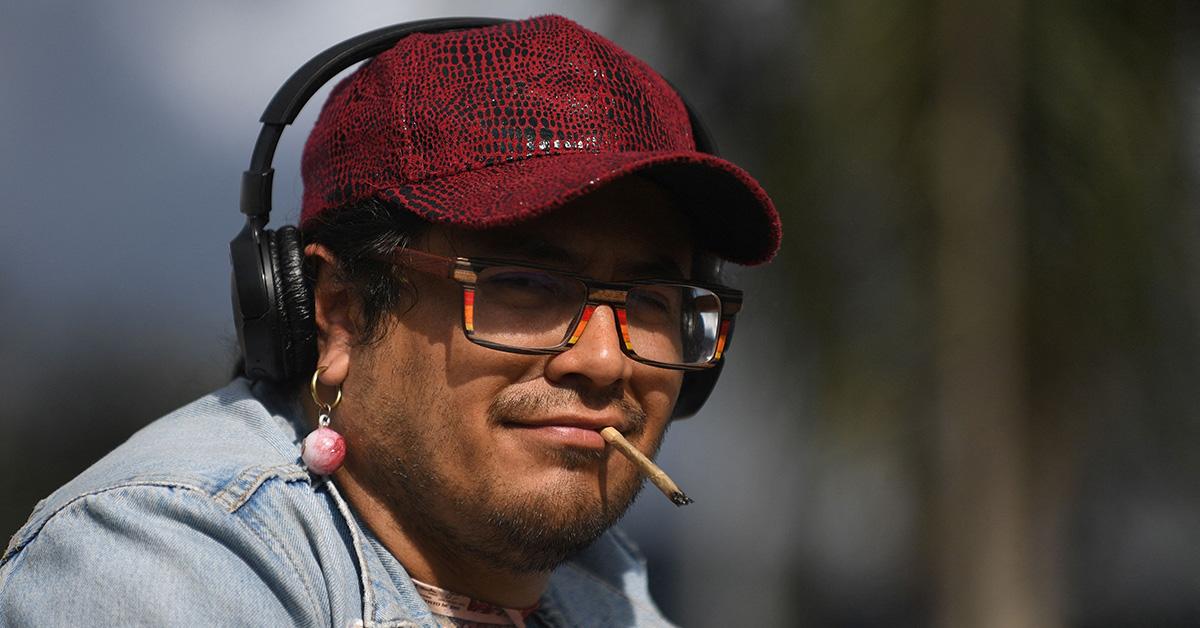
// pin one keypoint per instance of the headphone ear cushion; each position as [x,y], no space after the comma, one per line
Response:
[295,306]
[697,386]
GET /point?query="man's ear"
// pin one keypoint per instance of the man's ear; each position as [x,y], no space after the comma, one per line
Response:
[336,315]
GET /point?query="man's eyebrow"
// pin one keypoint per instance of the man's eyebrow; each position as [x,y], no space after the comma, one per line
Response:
[532,249]
[544,252]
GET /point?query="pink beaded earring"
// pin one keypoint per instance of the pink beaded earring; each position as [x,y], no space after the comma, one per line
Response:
[323,449]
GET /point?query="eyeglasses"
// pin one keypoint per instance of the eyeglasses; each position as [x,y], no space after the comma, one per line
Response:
[533,310]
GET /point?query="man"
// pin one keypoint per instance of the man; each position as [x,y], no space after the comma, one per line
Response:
[505,229]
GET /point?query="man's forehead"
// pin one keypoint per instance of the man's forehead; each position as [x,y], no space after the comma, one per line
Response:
[635,225]
[630,262]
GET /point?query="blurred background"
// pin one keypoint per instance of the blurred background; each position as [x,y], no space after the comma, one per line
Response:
[963,394]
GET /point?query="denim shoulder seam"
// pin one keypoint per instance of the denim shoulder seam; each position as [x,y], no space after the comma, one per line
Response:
[272,543]
[26,536]
[240,489]
[263,532]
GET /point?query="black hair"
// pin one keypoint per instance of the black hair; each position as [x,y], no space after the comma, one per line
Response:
[360,237]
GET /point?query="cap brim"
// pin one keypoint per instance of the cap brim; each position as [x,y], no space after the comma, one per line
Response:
[732,214]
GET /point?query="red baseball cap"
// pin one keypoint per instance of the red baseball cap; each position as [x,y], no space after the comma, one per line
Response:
[488,127]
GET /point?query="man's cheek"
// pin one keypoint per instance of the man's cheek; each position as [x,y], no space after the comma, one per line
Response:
[660,393]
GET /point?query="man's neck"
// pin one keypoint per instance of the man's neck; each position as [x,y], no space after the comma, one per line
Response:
[430,562]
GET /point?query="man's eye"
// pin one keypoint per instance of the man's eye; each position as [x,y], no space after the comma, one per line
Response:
[653,304]
[523,288]
[653,301]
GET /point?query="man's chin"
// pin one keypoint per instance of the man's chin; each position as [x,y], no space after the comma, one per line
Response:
[540,531]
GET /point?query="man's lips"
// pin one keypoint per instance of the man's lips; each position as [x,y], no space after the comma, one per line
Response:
[565,418]
[568,431]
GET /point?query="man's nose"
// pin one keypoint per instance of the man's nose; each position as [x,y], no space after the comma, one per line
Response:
[596,356]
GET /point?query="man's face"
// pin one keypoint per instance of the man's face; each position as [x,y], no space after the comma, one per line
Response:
[495,455]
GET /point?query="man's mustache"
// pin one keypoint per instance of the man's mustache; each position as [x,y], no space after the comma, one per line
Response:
[512,405]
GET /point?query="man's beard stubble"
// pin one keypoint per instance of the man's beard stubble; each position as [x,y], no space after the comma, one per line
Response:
[521,533]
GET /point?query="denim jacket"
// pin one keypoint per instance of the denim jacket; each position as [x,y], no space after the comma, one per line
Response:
[206,517]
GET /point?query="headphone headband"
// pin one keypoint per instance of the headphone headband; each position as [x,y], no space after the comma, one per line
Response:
[257,181]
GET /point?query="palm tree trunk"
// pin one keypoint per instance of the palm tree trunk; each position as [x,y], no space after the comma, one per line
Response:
[983,558]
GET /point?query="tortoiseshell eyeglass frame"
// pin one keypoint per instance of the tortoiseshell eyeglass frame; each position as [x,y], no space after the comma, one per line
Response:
[465,271]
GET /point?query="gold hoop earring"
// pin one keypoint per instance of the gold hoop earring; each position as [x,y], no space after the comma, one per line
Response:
[323,450]
[312,388]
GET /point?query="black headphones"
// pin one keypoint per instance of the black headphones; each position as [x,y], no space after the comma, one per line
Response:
[272,301]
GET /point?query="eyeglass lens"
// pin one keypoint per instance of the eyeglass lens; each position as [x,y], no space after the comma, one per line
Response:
[533,309]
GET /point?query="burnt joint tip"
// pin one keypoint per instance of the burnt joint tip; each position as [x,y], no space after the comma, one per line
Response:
[679,499]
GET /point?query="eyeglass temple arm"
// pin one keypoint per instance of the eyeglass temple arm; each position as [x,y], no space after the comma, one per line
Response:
[425,262]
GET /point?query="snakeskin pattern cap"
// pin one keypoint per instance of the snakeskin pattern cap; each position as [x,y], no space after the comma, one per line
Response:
[488,127]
